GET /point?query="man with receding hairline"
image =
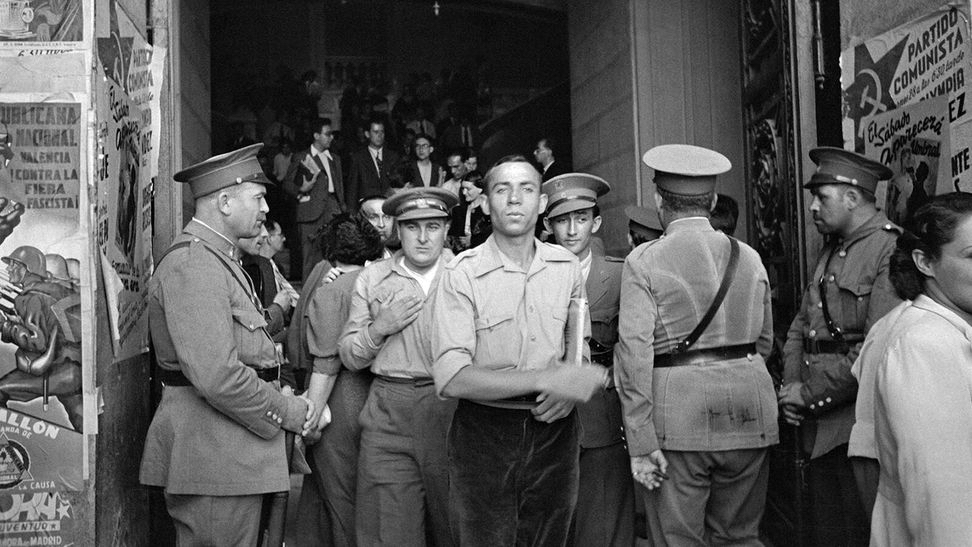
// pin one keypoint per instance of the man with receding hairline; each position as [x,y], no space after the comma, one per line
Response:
[215,444]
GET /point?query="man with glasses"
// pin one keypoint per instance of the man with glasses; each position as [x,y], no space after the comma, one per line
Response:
[314,180]
[423,171]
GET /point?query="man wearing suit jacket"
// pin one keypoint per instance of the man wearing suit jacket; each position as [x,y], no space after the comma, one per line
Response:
[371,167]
[545,156]
[314,180]
[605,503]
[423,171]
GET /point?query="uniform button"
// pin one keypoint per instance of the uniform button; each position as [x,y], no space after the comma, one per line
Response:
[812,407]
[279,421]
[195,240]
[842,253]
[828,399]
[860,298]
[820,304]
[812,333]
[820,403]
[251,326]
[269,413]
[533,337]
[833,278]
[806,362]
[887,226]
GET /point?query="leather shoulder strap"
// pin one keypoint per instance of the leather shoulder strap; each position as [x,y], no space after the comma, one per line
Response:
[247,285]
[693,336]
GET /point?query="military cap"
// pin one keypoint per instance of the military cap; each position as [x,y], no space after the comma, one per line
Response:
[224,170]
[420,203]
[839,166]
[684,169]
[572,192]
[643,219]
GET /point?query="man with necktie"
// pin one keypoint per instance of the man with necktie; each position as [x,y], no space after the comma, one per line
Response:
[372,167]
[314,179]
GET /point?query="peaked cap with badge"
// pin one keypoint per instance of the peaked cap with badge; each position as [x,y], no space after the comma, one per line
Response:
[684,169]
[839,166]
[420,203]
[223,171]
[573,192]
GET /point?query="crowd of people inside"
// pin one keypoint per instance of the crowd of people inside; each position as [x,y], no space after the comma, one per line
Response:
[464,364]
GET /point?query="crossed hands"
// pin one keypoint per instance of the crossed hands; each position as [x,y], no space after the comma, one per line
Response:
[650,470]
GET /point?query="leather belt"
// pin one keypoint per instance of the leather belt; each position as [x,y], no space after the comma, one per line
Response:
[417,382]
[814,347]
[528,398]
[176,378]
[703,356]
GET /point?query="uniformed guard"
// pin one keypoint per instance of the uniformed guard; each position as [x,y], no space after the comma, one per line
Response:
[848,291]
[403,484]
[505,343]
[605,502]
[643,225]
[695,328]
[215,443]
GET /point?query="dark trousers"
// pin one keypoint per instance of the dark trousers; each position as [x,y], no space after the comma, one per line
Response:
[837,514]
[310,247]
[403,475]
[213,521]
[710,498]
[514,479]
[605,499]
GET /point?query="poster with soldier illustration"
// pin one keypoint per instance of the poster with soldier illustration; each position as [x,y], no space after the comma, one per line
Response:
[42,249]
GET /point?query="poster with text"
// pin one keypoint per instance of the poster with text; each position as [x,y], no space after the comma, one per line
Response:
[913,141]
[127,97]
[33,27]
[928,57]
[43,248]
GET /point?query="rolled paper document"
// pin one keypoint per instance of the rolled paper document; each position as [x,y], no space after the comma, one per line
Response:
[581,306]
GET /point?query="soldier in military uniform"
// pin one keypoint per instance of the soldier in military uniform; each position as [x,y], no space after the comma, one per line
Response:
[848,292]
[48,356]
[695,327]
[605,501]
[215,444]
[403,478]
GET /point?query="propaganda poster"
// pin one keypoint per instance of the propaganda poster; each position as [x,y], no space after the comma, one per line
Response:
[42,250]
[127,95]
[928,57]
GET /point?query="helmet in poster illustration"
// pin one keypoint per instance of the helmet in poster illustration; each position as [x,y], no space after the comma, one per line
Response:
[74,269]
[30,257]
[57,267]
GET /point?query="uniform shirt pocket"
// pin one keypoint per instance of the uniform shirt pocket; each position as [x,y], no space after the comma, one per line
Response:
[497,339]
[251,338]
